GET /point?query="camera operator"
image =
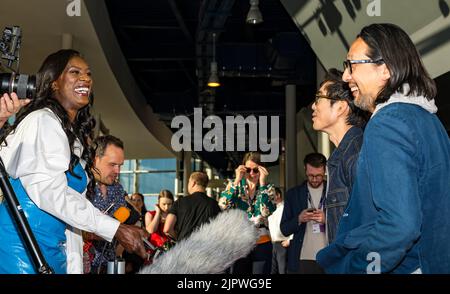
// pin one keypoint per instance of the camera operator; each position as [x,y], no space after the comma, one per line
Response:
[10,105]
[48,159]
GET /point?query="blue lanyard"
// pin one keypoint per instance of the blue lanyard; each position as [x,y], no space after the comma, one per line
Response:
[322,200]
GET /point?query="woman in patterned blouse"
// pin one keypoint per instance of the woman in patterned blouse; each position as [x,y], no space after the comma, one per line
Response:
[250,192]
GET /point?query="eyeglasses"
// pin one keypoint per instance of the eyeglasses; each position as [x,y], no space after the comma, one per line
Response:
[255,170]
[318,96]
[348,63]
[315,176]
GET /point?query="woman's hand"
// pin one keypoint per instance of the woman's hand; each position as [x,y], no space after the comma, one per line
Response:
[240,172]
[263,173]
[157,209]
[130,237]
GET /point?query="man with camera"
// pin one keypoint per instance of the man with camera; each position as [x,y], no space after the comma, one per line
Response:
[303,216]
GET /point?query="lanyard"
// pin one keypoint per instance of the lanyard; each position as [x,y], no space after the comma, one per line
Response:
[322,200]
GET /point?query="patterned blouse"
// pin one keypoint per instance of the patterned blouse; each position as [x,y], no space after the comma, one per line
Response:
[258,209]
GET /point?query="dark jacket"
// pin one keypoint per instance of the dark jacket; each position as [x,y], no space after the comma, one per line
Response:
[296,201]
[341,173]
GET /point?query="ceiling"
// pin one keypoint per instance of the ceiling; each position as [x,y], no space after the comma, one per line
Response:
[168,47]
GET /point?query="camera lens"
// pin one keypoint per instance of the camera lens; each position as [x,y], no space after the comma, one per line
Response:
[23,85]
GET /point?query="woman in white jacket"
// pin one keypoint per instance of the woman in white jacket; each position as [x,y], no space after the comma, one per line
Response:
[47,157]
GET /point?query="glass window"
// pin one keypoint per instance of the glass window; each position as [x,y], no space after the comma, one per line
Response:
[150,202]
[162,176]
[127,182]
[128,165]
[158,164]
[153,183]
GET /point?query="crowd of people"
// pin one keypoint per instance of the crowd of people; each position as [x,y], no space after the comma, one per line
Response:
[379,204]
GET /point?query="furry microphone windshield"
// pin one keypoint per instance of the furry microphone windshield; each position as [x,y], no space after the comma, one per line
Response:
[210,249]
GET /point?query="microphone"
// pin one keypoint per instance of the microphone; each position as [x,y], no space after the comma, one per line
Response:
[211,248]
[122,214]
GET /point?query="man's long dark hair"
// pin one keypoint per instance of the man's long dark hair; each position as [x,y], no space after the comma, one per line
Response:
[390,43]
[81,128]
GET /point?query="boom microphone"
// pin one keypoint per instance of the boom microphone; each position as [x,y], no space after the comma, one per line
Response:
[210,249]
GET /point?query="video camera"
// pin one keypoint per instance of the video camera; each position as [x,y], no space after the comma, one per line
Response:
[23,85]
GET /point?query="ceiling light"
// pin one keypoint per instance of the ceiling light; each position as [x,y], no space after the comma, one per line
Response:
[254,15]
[213,80]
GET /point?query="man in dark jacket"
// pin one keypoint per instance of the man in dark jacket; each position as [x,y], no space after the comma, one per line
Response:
[336,114]
[303,216]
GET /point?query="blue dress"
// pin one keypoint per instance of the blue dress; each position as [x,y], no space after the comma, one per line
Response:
[48,231]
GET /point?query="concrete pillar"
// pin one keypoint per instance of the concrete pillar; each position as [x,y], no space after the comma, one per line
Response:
[283,166]
[177,177]
[291,137]
[187,170]
[323,145]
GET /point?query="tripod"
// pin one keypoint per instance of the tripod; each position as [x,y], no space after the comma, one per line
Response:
[24,228]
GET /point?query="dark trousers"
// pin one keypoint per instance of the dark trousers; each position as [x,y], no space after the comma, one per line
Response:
[259,261]
[279,259]
[308,267]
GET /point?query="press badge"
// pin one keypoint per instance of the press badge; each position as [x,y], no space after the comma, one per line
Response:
[318,228]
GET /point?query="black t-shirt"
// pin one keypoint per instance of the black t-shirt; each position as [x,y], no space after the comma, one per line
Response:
[192,211]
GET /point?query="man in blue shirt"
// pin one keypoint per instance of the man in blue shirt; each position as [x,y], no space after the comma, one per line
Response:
[108,195]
